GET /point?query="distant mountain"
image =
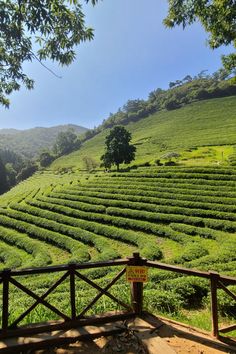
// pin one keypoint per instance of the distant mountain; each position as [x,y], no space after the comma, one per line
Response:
[29,142]
[9,131]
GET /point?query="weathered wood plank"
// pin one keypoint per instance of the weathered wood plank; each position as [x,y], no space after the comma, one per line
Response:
[57,338]
[66,325]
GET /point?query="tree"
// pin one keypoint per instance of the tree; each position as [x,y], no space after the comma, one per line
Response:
[172,103]
[153,95]
[27,171]
[118,148]
[187,78]
[54,26]
[11,157]
[66,142]
[217,18]
[133,106]
[3,178]
[10,174]
[45,158]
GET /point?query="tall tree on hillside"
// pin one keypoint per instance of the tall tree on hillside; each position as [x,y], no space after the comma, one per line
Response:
[118,148]
[56,26]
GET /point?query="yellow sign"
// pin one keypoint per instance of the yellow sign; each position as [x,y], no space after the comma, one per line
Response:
[137,274]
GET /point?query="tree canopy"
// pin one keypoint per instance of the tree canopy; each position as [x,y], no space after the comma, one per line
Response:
[51,29]
[118,148]
[66,142]
[45,158]
[37,30]
[217,17]
[3,178]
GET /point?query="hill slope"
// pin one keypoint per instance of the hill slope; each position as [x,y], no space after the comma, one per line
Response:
[29,142]
[176,215]
[204,123]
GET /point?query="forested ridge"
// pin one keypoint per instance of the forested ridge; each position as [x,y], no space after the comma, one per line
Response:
[23,152]
[179,94]
[29,142]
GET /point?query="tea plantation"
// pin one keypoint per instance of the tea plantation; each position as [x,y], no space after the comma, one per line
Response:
[202,132]
[178,215]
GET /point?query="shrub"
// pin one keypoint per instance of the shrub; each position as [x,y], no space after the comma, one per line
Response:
[191,290]
[158,162]
[153,253]
[191,251]
[170,163]
[162,301]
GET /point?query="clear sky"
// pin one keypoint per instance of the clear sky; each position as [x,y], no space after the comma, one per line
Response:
[132,54]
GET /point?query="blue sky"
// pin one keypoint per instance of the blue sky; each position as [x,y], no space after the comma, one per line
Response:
[132,54]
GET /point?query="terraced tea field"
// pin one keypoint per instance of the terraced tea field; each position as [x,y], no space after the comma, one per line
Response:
[176,215]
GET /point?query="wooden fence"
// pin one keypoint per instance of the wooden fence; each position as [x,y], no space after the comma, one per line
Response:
[73,271]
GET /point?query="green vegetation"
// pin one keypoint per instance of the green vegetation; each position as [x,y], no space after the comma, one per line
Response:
[56,27]
[66,142]
[179,215]
[3,178]
[203,133]
[232,157]
[18,166]
[118,148]
[180,93]
[216,17]
[20,31]
[29,143]
[183,214]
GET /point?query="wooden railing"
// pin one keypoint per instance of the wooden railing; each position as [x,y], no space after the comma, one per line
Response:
[216,281]
[73,272]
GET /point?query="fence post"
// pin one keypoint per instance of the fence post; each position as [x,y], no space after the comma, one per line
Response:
[214,276]
[5,299]
[137,287]
[72,290]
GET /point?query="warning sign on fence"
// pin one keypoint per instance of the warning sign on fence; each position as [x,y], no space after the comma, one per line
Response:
[136,274]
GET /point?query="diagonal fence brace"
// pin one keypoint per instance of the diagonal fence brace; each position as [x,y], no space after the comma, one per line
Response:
[102,292]
[53,287]
[39,299]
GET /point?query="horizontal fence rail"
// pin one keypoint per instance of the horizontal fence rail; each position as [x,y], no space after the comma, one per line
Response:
[72,272]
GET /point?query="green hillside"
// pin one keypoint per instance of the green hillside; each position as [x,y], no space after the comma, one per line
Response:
[29,142]
[183,215]
[210,123]
[178,215]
